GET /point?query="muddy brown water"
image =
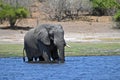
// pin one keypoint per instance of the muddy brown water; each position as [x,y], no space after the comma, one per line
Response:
[75,68]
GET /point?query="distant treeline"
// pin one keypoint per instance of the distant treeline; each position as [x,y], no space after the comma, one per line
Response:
[71,9]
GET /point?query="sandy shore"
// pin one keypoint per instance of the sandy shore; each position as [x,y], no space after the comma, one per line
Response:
[77,31]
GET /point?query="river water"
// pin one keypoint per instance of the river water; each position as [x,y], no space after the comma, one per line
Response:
[74,68]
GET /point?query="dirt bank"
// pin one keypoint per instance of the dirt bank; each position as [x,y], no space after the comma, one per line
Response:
[75,31]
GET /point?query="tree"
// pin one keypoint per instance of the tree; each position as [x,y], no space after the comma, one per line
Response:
[12,13]
[104,7]
[66,9]
[24,3]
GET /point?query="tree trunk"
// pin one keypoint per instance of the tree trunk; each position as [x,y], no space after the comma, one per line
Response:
[12,22]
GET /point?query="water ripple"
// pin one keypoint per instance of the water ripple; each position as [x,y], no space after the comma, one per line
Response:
[75,68]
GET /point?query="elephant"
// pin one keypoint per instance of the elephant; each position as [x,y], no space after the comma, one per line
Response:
[45,42]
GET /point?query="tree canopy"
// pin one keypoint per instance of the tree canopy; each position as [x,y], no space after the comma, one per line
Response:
[104,7]
[12,13]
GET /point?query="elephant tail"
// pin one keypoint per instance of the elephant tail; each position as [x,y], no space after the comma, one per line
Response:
[23,55]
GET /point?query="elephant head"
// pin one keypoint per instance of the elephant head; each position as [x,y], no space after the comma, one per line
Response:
[52,34]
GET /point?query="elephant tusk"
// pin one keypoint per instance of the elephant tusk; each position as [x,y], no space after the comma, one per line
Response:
[68,46]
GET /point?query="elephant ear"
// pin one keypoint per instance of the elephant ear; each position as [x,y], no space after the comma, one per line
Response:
[41,34]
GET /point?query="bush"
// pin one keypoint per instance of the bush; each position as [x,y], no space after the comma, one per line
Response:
[104,7]
[116,20]
[117,16]
[66,9]
[11,13]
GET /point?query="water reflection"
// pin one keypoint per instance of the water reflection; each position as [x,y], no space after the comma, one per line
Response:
[75,68]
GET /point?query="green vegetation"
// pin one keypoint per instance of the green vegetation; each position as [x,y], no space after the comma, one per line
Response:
[11,50]
[108,8]
[104,3]
[117,16]
[12,13]
[104,7]
[77,49]
[93,49]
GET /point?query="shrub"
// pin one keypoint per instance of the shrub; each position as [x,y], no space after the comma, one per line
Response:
[104,7]
[66,9]
[117,16]
[11,13]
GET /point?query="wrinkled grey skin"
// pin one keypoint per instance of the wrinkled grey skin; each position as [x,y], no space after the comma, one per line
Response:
[45,42]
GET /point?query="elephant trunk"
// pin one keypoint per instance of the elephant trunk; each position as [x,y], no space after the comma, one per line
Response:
[60,43]
[61,54]
[60,46]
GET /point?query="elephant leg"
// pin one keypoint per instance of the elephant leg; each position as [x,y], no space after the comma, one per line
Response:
[41,58]
[29,54]
[54,54]
[30,59]
[46,57]
[35,58]
[45,52]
